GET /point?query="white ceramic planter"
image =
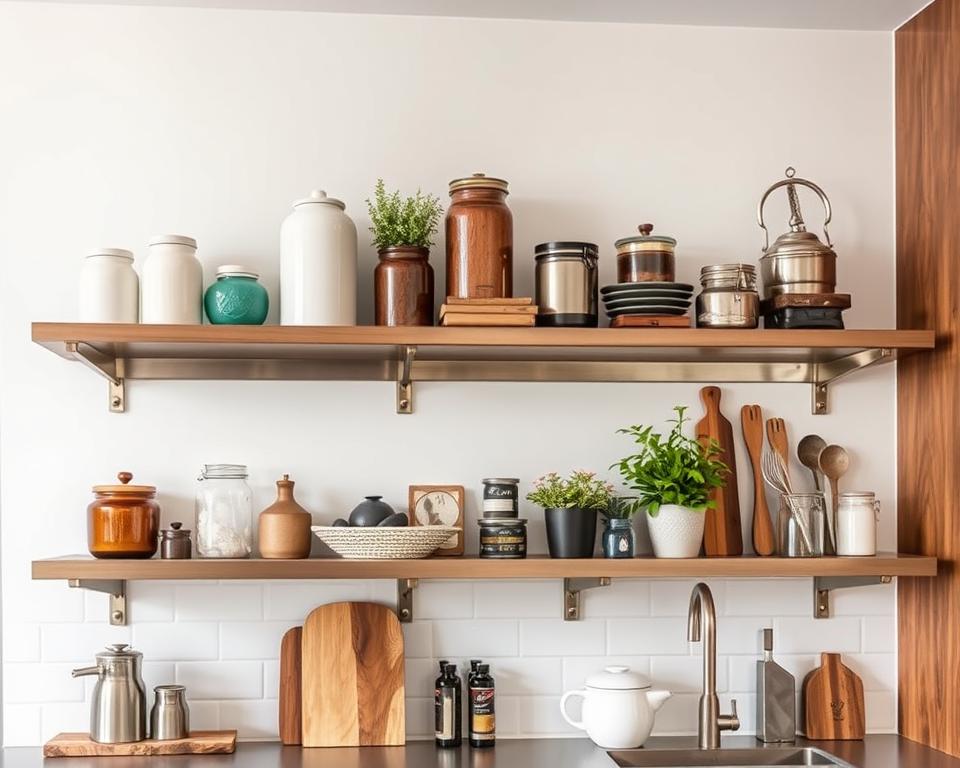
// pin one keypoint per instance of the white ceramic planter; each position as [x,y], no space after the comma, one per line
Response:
[109,288]
[172,290]
[676,531]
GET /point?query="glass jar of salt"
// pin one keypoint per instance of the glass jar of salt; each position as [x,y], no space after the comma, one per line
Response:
[224,512]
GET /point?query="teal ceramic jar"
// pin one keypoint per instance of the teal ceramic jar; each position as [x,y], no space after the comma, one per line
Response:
[236,298]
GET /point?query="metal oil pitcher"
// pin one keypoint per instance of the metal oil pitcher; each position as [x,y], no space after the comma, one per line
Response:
[798,261]
[118,707]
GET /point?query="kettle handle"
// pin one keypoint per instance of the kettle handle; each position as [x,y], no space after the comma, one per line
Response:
[563,709]
[790,181]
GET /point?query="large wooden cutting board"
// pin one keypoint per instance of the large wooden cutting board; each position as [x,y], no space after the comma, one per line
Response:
[722,535]
[289,693]
[833,701]
[197,743]
[352,685]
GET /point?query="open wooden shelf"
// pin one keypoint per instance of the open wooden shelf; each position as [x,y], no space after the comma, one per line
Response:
[406,355]
[885,564]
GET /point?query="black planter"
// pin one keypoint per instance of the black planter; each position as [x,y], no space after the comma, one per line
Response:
[571,532]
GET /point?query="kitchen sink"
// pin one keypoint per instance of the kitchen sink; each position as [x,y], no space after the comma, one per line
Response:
[760,757]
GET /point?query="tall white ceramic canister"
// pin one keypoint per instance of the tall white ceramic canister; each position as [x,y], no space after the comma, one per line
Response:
[858,515]
[109,287]
[172,282]
[318,264]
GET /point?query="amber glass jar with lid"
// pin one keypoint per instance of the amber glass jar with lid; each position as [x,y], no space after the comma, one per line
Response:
[479,234]
[646,257]
[123,520]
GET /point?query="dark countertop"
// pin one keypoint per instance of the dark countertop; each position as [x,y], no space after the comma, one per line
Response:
[877,751]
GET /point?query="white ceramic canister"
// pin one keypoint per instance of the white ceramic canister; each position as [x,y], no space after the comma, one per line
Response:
[858,515]
[172,282]
[109,287]
[318,264]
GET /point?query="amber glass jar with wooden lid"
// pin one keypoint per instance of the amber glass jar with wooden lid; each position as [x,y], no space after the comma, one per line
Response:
[123,520]
[479,233]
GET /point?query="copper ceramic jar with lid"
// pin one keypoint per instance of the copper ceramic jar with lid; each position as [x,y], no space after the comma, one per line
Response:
[645,257]
[479,234]
[403,286]
[123,520]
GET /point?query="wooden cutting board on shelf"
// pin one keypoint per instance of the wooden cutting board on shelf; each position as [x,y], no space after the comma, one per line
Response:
[833,701]
[197,743]
[352,685]
[722,536]
[289,694]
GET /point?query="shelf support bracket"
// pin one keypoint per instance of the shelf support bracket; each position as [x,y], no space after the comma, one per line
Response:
[571,594]
[115,588]
[405,381]
[111,370]
[825,374]
[822,586]
[405,589]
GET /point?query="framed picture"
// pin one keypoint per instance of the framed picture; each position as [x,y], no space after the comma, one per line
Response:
[439,505]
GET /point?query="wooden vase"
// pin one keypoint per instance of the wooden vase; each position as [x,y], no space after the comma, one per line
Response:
[284,526]
[403,287]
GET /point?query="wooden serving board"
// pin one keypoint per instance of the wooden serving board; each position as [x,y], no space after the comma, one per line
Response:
[197,743]
[520,301]
[650,321]
[496,320]
[487,309]
[722,536]
[289,693]
[352,686]
[833,701]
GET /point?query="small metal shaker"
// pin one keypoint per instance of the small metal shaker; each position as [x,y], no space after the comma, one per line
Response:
[170,716]
[175,543]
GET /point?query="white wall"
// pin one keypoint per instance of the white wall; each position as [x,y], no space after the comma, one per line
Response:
[118,123]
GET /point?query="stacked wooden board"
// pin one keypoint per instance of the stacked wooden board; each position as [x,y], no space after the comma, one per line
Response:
[519,312]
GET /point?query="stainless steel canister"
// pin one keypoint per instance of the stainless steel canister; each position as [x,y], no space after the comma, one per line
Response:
[118,705]
[175,543]
[566,284]
[729,298]
[170,716]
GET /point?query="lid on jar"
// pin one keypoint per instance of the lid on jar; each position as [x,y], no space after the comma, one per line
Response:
[857,495]
[118,651]
[618,679]
[645,241]
[175,531]
[499,522]
[478,181]
[120,253]
[236,270]
[320,197]
[501,481]
[223,471]
[569,248]
[125,487]
[173,240]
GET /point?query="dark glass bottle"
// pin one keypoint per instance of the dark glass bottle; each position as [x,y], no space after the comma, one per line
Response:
[448,708]
[483,723]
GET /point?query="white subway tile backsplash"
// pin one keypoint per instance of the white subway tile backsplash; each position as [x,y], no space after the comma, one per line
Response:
[218,602]
[621,598]
[255,719]
[420,717]
[518,599]
[476,638]
[577,669]
[271,678]
[541,715]
[527,676]
[157,673]
[881,711]
[809,635]
[678,715]
[21,642]
[293,600]
[877,670]
[21,725]
[508,717]
[737,635]
[146,601]
[767,597]
[60,717]
[420,675]
[252,639]
[418,639]
[879,634]
[188,641]
[646,637]
[223,680]
[556,637]
[43,601]
[444,600]
[683,674]
[873,600]
[29,683]
[672,598]
[78,643]
[204,715]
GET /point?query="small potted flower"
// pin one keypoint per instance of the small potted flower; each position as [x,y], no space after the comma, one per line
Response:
[403,230]
[570,508]
[673,477]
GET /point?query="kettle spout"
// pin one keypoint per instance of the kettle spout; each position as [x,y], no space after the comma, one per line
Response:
[656,698]
[85,671]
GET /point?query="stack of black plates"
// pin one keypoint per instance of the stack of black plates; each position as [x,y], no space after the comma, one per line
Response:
[625,299]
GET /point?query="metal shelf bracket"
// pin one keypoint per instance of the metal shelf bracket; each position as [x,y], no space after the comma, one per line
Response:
[825,374]
[822,586]
[405,381]
[571,594]
[109,368]
[405,589]
[115,588]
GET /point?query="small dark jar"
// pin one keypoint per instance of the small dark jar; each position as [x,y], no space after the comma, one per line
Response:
[403,286]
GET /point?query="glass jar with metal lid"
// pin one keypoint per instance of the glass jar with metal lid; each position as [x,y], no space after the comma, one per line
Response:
[645,257]
[566,284]
[479,235]
[729,298]
[224,512]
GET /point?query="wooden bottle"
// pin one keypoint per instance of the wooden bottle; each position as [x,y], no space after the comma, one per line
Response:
[284,526]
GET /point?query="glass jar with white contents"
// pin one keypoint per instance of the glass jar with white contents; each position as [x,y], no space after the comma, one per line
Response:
[224,512]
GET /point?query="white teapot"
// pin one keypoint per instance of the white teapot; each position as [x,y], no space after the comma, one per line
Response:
[618,708]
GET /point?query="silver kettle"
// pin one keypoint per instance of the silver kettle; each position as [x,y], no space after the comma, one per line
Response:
[119,704]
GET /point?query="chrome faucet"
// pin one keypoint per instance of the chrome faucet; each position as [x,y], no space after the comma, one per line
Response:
[702,623]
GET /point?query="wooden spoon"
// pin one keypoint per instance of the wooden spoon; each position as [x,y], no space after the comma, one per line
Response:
[808,451]
[834,462]
[751,419]
[777,437]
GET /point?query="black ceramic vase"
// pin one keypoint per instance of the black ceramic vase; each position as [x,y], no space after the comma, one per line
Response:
[571,532]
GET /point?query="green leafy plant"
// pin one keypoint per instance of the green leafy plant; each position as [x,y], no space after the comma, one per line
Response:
[403,221]
[622,508]
[676,470]
[582,489]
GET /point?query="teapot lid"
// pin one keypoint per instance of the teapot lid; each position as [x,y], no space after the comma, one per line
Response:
[118,651]
[618,678]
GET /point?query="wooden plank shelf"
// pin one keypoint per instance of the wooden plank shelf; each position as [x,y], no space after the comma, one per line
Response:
[408,354]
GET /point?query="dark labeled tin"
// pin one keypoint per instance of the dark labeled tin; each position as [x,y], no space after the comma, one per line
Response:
[501,497]
[503,538]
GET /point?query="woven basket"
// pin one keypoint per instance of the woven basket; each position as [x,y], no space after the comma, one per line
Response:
[387,543]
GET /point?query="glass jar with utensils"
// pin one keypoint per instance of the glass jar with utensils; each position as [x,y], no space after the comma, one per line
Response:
[802,525]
